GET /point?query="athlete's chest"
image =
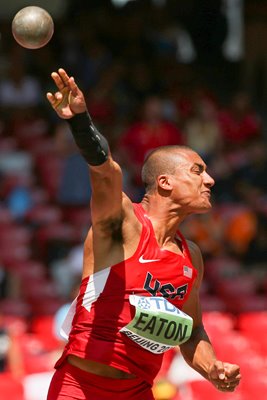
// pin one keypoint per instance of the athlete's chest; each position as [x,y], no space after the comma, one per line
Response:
[156,274]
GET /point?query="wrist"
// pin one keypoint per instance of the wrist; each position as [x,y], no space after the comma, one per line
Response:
[93,146]
[80,121]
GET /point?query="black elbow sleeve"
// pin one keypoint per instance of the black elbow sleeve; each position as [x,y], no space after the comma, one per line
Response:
[92,145]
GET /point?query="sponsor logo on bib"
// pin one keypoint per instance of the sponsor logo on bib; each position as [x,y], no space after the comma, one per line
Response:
[157,325]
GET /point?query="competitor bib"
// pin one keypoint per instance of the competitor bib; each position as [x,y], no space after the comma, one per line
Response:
[157,325]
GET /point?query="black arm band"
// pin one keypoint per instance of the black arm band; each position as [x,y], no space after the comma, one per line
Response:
[93,146]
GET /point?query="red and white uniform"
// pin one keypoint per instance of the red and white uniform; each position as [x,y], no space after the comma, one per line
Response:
[102,307]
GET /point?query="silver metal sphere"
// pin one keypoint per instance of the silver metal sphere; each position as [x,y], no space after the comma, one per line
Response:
[32,27]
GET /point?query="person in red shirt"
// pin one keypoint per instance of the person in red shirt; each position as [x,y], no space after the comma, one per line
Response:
[139,294]
[152,131]
[239,123]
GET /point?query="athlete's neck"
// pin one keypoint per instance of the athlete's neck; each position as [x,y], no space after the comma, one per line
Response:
[164,218]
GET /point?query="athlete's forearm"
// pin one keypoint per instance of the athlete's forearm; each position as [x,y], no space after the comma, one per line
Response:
[198,352]
[92,145]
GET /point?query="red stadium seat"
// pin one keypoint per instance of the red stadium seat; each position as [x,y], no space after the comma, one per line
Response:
[43,327]
[11,254]
[246,303]
[210,303]
[50,169]
[14,234]
[239,286]
[60,234]
[255,386]
[36,358]
[10,388]
[253,325]
[220,322]
[46,306]
[17,307]
[222,268]
[37,288]
[44,214]
[78,216]
[28,270]
[6,218]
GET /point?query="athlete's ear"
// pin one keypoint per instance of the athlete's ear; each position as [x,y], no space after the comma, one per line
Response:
[164,182]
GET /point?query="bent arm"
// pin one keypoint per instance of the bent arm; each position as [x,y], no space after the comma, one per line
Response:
[106,177]
[199,354]
[198,351]
[105,173]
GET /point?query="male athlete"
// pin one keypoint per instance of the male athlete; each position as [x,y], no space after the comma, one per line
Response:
[139,294]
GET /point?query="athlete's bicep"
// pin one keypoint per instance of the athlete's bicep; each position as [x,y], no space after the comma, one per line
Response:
[106,199]
[110,241]
[112,212]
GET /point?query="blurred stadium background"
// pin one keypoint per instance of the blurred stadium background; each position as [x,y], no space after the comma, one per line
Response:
[153,72]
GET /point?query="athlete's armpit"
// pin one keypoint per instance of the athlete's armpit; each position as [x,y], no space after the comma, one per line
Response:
[112,227]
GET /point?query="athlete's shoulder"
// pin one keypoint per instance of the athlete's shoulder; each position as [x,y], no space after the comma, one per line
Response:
[196,255]
[193,247]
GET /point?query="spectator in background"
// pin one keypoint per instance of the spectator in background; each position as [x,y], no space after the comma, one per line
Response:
[67,270]
[202,131]
[10,355]
[19,89]
[236,239]
[96,58]
[72,192]
[151,131]
[255,257]
[251,176]
[141,82]
[239,123]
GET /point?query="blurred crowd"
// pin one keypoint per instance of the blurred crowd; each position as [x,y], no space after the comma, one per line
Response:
[153,74]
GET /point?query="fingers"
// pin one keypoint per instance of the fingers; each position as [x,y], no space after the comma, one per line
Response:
[60,78]
[233,374]
[73,87]
[68,100]
[231,369]
[59,98]
[62,81]
[54,99]
[225,376]
[227,385]
[64,84]
[218,371]
[64,76]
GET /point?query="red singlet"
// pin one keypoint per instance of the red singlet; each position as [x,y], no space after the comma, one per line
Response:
[102,307]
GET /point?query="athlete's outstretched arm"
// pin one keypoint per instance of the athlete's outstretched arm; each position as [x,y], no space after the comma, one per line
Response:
[198,350]
[106,177]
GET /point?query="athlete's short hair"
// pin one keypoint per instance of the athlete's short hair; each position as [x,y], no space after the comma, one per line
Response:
[160,161]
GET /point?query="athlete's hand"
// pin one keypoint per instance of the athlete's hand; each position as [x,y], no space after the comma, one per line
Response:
[69,99]
[224,376]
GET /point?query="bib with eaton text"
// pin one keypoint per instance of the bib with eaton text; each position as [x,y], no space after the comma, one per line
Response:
[157,325]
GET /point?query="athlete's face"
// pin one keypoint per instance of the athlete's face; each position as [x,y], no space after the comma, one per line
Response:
[191,184]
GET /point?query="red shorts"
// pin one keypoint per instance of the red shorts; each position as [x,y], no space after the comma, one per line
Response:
[69,383]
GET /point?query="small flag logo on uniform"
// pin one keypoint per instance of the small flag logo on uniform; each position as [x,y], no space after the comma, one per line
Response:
[188,271]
